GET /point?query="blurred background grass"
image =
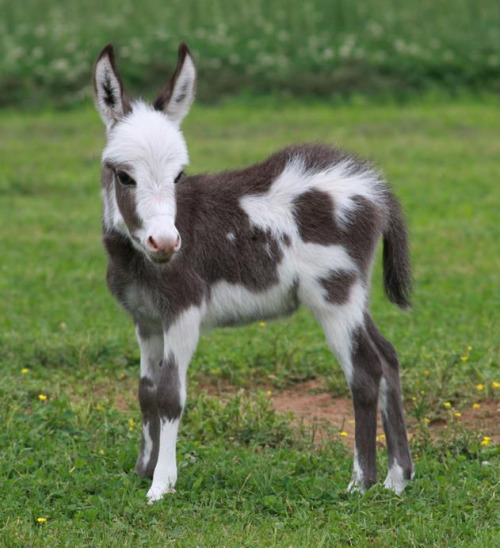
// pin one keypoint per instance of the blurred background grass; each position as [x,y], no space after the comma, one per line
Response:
[323,48]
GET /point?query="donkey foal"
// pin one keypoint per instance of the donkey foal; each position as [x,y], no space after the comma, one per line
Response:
[227,249]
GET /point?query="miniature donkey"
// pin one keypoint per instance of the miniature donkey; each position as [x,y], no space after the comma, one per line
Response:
[187,253]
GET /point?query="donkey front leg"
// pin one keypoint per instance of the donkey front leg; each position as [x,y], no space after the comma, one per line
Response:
[151,343]
[180,340]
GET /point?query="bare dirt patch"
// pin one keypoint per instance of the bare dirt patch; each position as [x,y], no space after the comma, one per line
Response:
[311,403]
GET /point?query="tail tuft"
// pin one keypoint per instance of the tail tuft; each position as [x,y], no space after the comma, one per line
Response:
[396,257]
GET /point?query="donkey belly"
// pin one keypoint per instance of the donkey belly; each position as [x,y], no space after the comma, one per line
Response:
[233,304]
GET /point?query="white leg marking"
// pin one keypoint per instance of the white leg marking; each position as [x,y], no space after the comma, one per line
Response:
[339,322]
[148,444]
[395,480]
[165,474]
[356,484]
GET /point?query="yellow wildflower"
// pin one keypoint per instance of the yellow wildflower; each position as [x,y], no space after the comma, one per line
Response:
[99,407]
[495,385]
[447,404]
[269,392]
[464,358]
[476,406]
[42,397]
[41,520]
[381,437]
[262,324]
[427,421]
[131,424]
[486,440]
[343,434]
[25,371]
[480,386]
[469,348]
[458,414]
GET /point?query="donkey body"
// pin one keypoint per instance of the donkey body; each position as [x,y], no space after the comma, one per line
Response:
[301,227]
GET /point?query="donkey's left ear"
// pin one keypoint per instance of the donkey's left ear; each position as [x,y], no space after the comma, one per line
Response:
[108,89]
[176,98]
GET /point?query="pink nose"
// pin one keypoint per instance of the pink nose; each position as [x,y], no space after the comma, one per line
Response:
[163,245]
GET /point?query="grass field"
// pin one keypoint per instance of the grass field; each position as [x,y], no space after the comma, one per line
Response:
[247,476]
[313,47]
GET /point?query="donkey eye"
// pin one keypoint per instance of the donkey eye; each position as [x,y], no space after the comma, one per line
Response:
[125,178]
[176,180]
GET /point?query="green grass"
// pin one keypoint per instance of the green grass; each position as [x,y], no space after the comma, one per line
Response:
[247,478]
[327,47]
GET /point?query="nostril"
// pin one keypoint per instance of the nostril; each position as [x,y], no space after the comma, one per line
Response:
[152,244]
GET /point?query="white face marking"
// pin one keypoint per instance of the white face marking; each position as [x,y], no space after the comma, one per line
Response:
[154,152]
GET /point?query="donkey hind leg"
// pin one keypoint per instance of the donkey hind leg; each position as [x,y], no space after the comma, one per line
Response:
[180,341]
[398,450]
[151,345]
[346,335]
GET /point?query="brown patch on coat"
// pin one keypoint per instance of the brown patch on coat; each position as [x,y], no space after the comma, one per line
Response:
[338,286]
[313,212]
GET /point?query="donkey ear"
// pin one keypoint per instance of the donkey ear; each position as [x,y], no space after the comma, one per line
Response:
[176,98]
[108,89]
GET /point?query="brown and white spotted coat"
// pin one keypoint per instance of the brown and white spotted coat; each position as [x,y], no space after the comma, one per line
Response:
[301,227]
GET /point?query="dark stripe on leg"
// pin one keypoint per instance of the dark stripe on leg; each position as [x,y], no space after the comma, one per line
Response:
[146,463]
[169,390]
[367,371]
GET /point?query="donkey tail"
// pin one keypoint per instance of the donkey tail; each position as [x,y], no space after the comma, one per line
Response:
[396,256]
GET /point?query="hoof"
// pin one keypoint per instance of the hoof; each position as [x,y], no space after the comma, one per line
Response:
[156,493]
[397,479]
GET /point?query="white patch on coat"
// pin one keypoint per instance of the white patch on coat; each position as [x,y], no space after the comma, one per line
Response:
[395,480]
[231,237]
[274,209]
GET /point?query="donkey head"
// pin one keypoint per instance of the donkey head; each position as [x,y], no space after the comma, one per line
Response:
[144,155]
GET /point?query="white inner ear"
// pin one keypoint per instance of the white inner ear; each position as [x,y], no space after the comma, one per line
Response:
[183,93]
[108,93]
